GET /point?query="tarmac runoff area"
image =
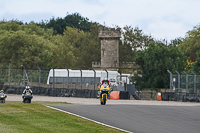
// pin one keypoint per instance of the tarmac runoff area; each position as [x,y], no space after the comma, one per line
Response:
[95,101]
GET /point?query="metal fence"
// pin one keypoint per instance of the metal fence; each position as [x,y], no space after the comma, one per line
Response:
[39,78]
[23,77]
[184,82]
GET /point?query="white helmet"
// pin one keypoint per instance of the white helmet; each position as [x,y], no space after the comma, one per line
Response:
[105,78]
[27,87]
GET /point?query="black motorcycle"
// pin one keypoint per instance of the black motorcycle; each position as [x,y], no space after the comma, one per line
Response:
[2,98]
[27,97]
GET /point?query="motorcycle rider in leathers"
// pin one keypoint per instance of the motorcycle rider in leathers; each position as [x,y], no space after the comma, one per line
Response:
[27,89]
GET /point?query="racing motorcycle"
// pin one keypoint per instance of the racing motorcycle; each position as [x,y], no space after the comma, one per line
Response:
[27,97]
[2,98]
[104,92]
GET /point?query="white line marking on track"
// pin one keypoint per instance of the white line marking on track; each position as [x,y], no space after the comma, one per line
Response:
[88,119]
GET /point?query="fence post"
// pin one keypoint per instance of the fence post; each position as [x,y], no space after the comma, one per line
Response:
[94,77]
[53,80]
[23,74]
[106,72]
[8,75]
[67,78]
[194,81]
[39,75]
[179,79]
[186,81]
[171,82]
[81,78]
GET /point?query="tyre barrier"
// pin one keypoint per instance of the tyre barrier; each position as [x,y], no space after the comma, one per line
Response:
[119,95]
[184,97]
[57,92]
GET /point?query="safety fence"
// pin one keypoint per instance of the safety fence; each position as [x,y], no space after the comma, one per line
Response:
[184,82]
[13,81]
[22,77]
[48,79]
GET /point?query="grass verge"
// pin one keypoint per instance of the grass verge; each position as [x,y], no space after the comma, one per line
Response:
[17,117]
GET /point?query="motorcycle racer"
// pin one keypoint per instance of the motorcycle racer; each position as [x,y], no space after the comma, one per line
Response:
[105,80]
[2,93]
[27,89]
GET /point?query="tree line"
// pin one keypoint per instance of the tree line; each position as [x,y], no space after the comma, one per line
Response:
[72,42]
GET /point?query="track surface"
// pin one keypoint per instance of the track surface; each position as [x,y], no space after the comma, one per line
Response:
[132,115]
[142,118]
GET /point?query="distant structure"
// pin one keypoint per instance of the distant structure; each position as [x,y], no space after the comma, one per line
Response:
[109,49]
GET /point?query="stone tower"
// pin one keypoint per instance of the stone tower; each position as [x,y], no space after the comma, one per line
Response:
[109,48]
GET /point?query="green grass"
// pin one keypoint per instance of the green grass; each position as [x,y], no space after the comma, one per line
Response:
[17,117]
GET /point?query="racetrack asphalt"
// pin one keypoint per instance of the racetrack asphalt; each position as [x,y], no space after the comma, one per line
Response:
[141,118]
[137,116]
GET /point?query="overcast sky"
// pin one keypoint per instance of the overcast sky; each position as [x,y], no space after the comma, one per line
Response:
[163,19]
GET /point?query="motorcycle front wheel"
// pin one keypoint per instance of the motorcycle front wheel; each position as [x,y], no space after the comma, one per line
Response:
[27,101]
[104,99]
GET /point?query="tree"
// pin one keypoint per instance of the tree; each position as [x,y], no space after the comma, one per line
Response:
[176,41]
[17,48]
[132,40]
[191,44]
[196,65]
[63,53]
[10,25]
[74,20]
[32,46]
[136,38]
[24,44]
[154,63]
[84,46]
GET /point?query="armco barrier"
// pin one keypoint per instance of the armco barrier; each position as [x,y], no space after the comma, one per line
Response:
[59,92]
[184,97]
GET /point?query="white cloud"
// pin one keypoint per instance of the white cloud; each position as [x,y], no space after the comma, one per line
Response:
[167,30]
[161,18]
